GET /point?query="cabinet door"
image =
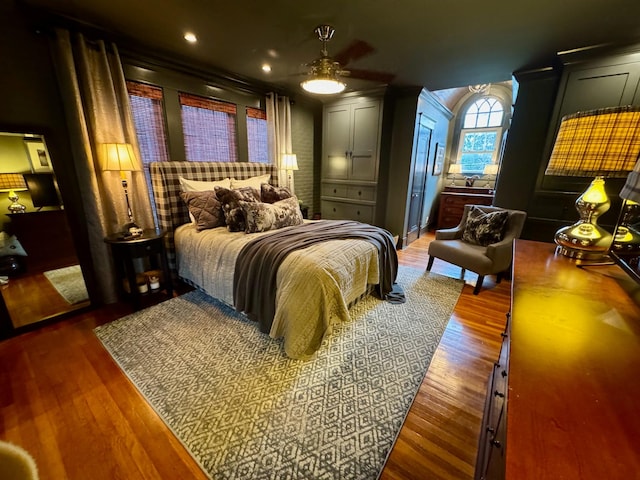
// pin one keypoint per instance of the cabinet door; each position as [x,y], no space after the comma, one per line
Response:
[337,140]
[364,141]
[600,87]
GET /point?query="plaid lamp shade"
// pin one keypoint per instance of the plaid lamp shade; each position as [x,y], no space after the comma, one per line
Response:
[12,181]
[603,142]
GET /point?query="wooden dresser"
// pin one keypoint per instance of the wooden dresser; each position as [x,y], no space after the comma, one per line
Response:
[453,199]
[567,380]
[46,237]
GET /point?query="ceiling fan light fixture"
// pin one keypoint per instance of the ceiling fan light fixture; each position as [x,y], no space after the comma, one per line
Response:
[323,85]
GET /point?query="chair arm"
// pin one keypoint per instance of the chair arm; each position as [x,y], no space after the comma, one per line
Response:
[449,233]
[501,253]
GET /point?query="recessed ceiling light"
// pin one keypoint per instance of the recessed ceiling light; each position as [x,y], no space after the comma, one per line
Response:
[190,37]
[266,68]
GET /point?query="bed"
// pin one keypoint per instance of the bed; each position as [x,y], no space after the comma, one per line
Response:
[313,287]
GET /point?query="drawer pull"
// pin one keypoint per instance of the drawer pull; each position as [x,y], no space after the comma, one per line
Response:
[496,443]
[359,192]
[334,209]
[335,190]
[504,334]
[491,430]
[358,212]
[498,394]
[503,373]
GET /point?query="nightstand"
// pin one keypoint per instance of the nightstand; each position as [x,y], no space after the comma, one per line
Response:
[141,267]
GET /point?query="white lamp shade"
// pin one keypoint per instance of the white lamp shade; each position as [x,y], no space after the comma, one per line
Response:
[117,156]
[289,161]
[455,168]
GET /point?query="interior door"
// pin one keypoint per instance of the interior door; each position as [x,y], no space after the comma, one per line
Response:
[418,180]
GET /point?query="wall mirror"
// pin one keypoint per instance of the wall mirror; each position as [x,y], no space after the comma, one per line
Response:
[40,275]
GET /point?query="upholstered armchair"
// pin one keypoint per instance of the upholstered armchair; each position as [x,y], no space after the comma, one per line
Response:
[482,242]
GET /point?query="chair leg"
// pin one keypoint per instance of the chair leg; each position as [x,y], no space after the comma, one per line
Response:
[499,277]
[476,290]
[430,264]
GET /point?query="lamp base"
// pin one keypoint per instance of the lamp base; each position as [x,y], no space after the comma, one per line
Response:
[16,207]
[132,230]
[583,241]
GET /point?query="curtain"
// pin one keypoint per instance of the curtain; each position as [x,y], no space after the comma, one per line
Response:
[279,129]
[97,108]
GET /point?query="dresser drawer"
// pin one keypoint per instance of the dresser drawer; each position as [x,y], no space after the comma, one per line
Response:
[361,193]
[334,190]
[332,210]
[352,192]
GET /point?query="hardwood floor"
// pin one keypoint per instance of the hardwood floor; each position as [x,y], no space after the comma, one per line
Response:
[64,399]
[32,298]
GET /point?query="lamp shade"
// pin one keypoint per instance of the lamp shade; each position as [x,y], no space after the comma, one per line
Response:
[12,181]
[490,169]
[455,168]
[631,188]
[289,161]
[603,142]
[117,156]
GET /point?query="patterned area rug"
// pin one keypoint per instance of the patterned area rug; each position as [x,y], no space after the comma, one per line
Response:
[245,410]
[69,283]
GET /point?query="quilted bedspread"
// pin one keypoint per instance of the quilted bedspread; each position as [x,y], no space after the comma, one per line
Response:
[314,285]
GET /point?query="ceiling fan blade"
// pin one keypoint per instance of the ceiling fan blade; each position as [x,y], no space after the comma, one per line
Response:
[373,75]
[354,51]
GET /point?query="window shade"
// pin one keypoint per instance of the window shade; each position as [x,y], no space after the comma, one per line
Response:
[257,136]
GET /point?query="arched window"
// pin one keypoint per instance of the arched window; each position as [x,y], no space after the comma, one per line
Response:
[480,135]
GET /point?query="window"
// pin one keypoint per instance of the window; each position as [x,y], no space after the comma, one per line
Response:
[209,128]
[480,135]
[257,136]
[148,117]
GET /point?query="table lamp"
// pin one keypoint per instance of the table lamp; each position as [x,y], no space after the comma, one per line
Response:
[454,169]
[601,143]
[289,163]
[120,157]
[12,183]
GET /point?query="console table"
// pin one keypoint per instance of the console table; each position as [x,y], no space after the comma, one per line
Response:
[566,383]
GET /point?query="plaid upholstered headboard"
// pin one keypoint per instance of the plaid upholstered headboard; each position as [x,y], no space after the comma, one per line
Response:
[171,209]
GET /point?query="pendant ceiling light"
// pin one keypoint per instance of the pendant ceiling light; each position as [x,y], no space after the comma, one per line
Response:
[324,72]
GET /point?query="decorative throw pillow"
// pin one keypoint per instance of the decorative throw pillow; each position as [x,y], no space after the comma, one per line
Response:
[484,228]
[271,194]
[9,245]
[201,186]
[233,214]
[205,208]
[261,217]
[254,182]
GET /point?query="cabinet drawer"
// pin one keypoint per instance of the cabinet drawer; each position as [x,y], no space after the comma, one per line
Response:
[347,211]
[334,190]
[361,193]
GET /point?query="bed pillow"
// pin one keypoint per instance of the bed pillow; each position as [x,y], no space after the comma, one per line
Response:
[271,194]
[200,186]
[230,198]
[254,182]
[261,217]
[205,209]
[9,245]
[484,228]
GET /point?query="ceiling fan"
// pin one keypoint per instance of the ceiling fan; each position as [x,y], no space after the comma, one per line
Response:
[326,73]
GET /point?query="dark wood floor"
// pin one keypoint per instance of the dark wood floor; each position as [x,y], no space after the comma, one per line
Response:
[31,298]
[64,399]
